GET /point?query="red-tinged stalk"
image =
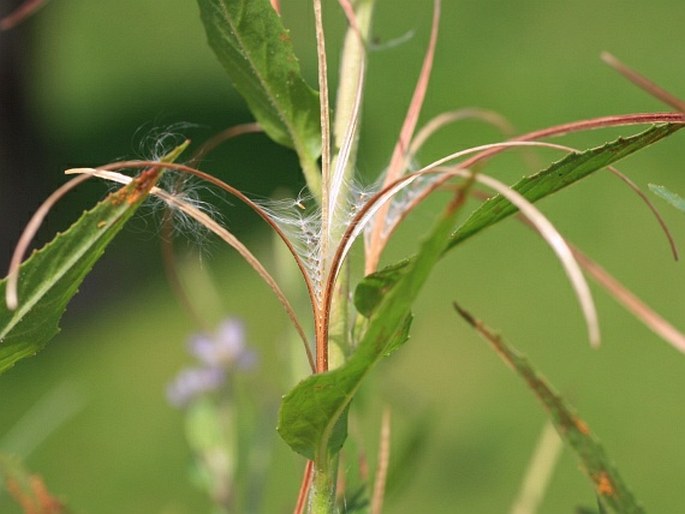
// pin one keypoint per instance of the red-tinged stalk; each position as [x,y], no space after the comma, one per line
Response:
[351,16]
[625,297]
[337,172]
[257,209]
[583,126]
[398,160]
[222,137]
[551,235]
[505,145]
[168,257]
[491,118]
[644,83]
[304,488]
[325,242]
[422,193]
[322,490]
[220,231]
[618,120]
[244,252]
[398,163]
[660,220]
[369,210]
[489,151]
[34,224]
[441,120]
[343,200]
[632,303]
[560,248]
[381,477]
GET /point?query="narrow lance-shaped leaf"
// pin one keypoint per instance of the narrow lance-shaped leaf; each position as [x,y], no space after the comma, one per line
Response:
[254,47]
[52,275]
[562,173]
[559,175]
[609,486]
[312,419]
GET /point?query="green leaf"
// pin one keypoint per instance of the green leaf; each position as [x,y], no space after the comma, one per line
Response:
[563,173]
[312,418]
[611,491]
[254,47]
[372,288]
[400,336]
[560,174]
[52,275]
[674,199]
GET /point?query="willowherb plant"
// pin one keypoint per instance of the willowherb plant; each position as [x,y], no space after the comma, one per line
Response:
[353,328]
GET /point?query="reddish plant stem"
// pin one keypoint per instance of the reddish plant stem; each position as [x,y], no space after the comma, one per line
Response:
[383,463]
[233,191]
[397,165]
[322,336]
[223,136]
[304,488]
[644,83]
[258,210]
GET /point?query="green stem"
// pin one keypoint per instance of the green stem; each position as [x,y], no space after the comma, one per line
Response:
[323,489]
[352,62]
[322,499]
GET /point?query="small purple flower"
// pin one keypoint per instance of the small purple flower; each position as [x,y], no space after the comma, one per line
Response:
[192,382]
[219,354]
[226,348]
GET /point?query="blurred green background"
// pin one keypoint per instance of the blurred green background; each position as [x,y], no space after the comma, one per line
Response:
[98,80]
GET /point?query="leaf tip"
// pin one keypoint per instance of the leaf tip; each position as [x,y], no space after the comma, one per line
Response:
[608,58]
[466,315]
[594,335]
[11,298]
[80,171]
